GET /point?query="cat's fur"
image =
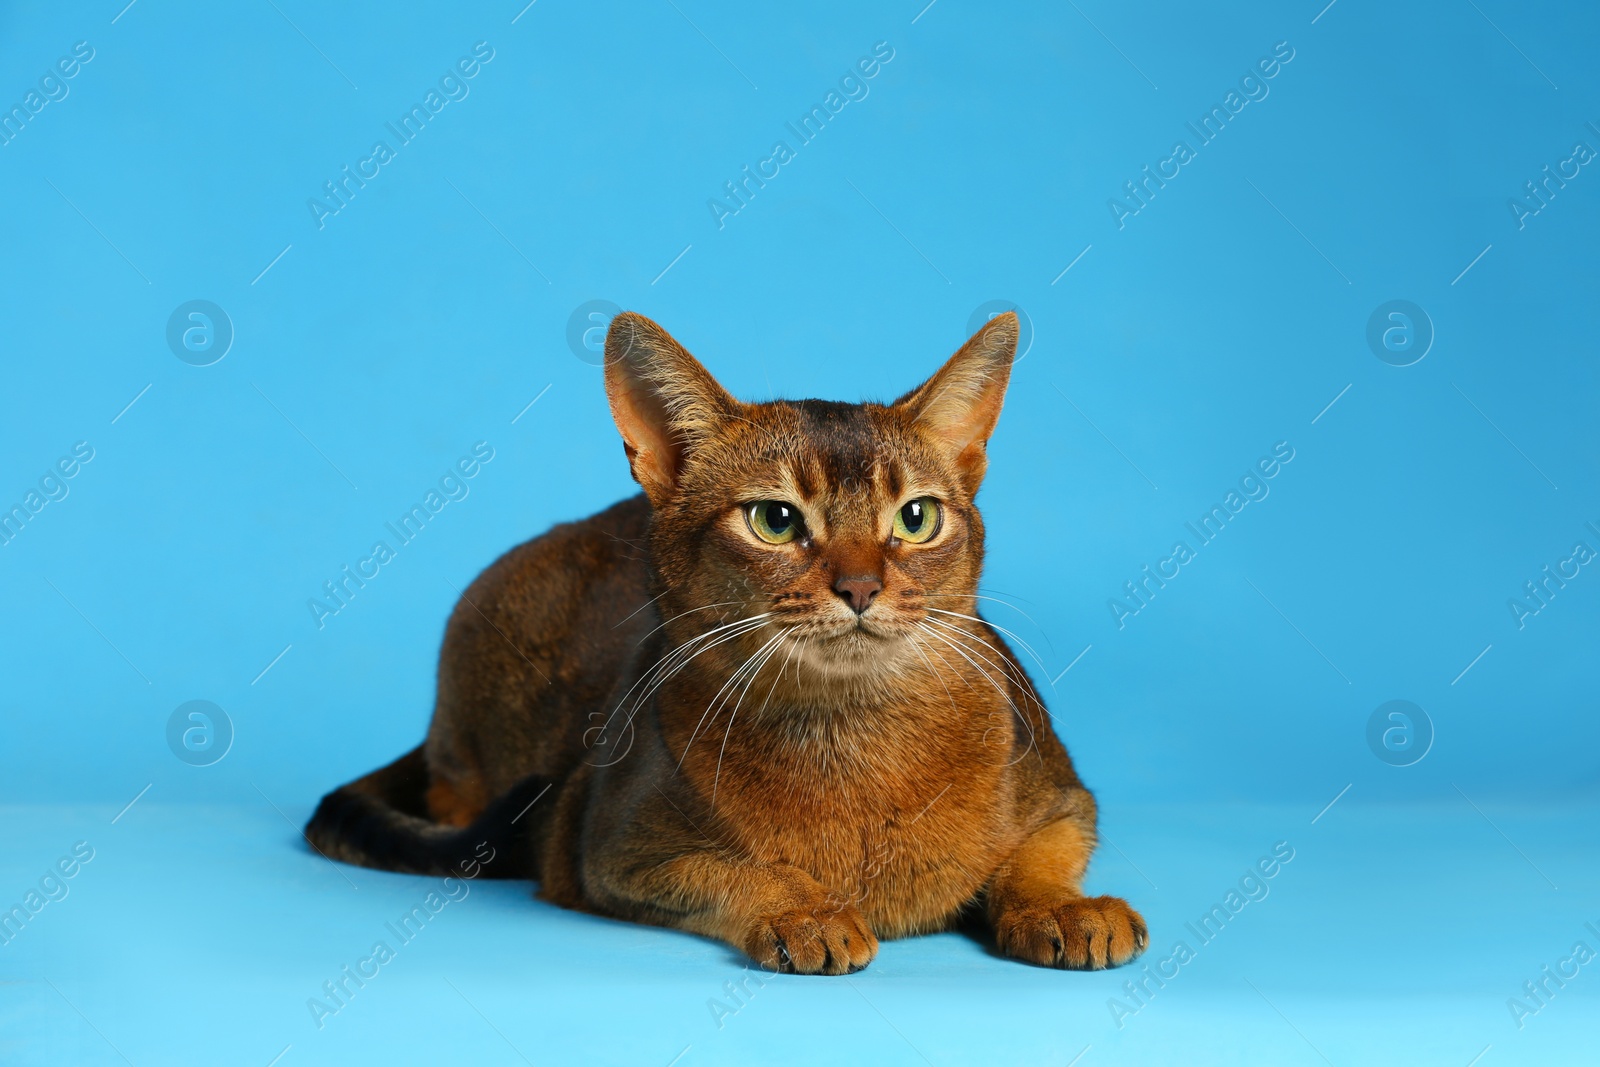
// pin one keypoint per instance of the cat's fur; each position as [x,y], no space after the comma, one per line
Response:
[867,774]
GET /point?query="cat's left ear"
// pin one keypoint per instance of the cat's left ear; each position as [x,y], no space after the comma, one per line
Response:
[960,405]
[663,401]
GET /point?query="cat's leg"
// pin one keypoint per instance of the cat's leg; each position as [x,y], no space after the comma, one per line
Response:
[1039,912]
[649,864]
[777,914]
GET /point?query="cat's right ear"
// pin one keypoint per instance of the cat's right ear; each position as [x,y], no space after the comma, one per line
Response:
[663,401]
[960,405]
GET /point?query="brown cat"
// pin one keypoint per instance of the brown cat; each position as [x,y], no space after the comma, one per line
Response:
[757,703]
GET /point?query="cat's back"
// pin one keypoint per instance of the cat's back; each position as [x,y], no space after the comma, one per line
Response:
[574,572]
[534,644]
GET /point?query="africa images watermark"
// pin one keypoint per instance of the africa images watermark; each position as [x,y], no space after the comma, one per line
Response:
[1252,487]
[1537,993]
[1253,86]
[53,88]
[852,87]
[452,86]
[1252,888]
[52,887]
[1536,196]
[1538,592]
[339,991]
[341,589]
[52,487]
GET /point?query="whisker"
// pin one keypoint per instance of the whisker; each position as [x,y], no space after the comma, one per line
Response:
[1032,738]
[996,626]
[779,678]
[997,600]
[963,653]
[665,667]
[667,670]
[672,655]
[658,669]
[716,779]
[733,679]
[1006,666]
[1002,592]
[640,608]
[917,644]
[998,668]
[951,667]
[691,611]
[1014,674]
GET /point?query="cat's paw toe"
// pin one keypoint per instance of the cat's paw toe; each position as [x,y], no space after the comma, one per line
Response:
[827,940]
[1080,934]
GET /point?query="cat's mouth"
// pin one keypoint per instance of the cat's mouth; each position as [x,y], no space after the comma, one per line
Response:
[848,647]
[861,629]
[849,632]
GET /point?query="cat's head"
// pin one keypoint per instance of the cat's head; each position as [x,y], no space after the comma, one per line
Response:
[842,525]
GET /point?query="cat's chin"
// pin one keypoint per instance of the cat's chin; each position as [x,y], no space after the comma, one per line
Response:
[852,645]
[862,633]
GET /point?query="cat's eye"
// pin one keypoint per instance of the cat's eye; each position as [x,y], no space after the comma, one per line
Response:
[773,521]
[918,520]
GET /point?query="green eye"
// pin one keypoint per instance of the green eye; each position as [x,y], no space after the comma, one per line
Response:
[773,521]
[917,521]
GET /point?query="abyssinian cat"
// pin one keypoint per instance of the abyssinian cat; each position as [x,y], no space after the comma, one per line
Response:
[757,702]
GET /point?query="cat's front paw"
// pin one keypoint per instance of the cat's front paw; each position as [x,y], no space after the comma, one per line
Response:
[830,939]
[1078,933]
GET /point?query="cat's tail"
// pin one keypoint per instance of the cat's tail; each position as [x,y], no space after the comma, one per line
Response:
[380,821]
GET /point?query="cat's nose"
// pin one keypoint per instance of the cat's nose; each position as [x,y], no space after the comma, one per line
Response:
[858,592]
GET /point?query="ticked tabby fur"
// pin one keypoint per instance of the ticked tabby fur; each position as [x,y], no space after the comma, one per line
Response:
[758,702]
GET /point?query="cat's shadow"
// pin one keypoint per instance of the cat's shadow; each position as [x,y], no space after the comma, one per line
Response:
[970,922]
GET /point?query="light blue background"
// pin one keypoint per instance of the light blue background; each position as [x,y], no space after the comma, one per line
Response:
[428,313]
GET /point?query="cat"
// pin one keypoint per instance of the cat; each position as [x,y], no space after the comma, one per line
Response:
[758,702]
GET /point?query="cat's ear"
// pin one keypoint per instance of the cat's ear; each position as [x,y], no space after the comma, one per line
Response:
[663,401]
[960,405]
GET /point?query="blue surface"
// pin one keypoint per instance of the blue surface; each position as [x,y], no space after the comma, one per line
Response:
[1173,347]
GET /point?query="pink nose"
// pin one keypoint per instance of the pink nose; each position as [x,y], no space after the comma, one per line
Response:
[858,592]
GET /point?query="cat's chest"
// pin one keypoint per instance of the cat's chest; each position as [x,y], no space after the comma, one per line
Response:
[907,849]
